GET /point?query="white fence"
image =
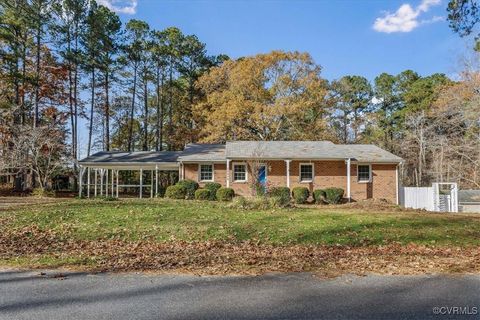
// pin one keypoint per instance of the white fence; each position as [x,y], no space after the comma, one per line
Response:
[431,198]
[417,198]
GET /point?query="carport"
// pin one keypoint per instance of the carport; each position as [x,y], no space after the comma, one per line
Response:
[99,173]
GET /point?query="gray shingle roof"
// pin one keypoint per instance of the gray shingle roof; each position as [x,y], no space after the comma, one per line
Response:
[307,150]
[369,153]
[203,152]
[132,157]
[303,150]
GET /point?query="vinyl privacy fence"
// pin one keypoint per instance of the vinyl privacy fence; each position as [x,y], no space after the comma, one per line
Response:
[417,198]
[440,197]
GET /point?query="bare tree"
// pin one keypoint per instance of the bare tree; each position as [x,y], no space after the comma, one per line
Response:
[415,148]
[253,166]
[39,150]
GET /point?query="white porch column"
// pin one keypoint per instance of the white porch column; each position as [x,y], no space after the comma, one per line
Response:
[156,180]
[117,181]
[287,163]
[88,182]
[113,184]
[151,183]
[96,179]
[80,176]
[106,183]
[397,184]
[102,172]
[348,179]
[141,182]
[228,173]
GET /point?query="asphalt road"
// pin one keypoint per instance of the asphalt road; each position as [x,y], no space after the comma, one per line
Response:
[31,295]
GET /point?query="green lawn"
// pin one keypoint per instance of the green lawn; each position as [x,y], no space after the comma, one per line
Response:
[163,220]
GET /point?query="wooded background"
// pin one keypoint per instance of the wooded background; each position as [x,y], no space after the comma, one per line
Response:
[144,89]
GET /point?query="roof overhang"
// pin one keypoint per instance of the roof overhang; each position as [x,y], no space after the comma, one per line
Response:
[314,159]
[202,161]
[131,165]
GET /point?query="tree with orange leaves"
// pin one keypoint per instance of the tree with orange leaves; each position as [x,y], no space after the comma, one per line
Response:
[274,96]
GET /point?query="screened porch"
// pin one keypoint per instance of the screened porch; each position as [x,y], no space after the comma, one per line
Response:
[127,174]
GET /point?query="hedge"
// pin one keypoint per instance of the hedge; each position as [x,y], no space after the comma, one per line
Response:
[300,194]
[176,192]
[225,194]
[203,194]
[320,196]
[280,196]
[334,195]
[190,187]
[279,192]
[213,187]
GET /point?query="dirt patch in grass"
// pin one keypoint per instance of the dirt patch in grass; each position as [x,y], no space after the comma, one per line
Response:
[32,247]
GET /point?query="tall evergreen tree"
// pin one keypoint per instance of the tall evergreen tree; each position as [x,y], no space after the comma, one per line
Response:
[70,19]
[159,56]
[91,42]
[133,54]
[353,95]
[173,39]
[107,61]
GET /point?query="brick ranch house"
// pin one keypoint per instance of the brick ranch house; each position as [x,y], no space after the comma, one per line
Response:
[363,171]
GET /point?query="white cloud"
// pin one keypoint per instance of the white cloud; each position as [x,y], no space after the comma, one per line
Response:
[406,18]
[433,19]
[120,6]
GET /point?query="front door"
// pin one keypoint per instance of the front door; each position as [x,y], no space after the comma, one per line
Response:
[262,177]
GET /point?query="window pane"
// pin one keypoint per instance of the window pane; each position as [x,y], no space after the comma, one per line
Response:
[239,172]
[306,172]
[364,173]
[206,172]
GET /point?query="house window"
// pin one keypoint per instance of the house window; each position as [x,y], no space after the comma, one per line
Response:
[306,172]
[206,172]
[239,172]
[364,172]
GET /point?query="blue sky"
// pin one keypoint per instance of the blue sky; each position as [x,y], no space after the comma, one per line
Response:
[340,35]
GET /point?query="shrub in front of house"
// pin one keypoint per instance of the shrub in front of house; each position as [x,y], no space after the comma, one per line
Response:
[190,187]
[213,187]
[300,194]
[333,195]
[280,196]
[225,194]
[176,192]
[319,196]
[279,192]
[202,194]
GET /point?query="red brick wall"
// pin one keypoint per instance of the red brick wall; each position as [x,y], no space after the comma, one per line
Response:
[326,174]
[384,182]
[219,172]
